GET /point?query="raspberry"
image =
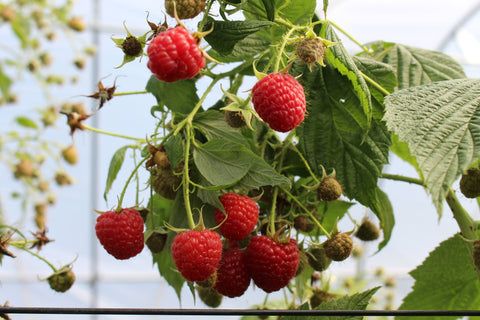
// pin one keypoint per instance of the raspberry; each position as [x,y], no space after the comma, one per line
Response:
[233,278]
[186,9]
[174,55]
[70,154]
[209,296]
[279,100]
[234,119]
[164,182]
[470,183]
[317,258]
[311,50]
[61,280]
[121,233]
[272,264]
[242,215]
[476,254]
[367,231]
[304,223]
[338,247]
[197,253]
[329,189]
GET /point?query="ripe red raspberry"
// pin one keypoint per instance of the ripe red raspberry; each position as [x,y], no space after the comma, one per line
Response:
[272,264]
[121,233]
[233,278]
[242,215]
[197,253]
[279,100]
[174,55]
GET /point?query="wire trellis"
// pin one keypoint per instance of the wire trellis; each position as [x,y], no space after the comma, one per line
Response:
[234,312]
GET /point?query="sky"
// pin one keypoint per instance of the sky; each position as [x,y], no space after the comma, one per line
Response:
[424,24]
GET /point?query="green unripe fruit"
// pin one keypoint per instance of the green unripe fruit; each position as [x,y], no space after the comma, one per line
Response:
[329,189]
[317,259]
[186,9]
[338,247]
[62,280]
[209,296]
[470,183]
[70,154]
[367,231]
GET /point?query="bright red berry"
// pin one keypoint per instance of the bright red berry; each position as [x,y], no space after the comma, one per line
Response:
[174,55]
[233,278]
[121,233]
[197,253]
[279,100]
[272,264]
[242,215]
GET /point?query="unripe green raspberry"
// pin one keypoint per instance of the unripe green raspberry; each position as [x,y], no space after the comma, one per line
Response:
[317,259]
[209,296]
[367,231]
[329,189]
[304,224]
[311,50]
[234,119]
[186,9]
[164,182]
[470,183]
[338,247]
[62,280]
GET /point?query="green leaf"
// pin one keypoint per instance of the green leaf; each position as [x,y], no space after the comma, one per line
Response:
[333,134]
[5,83]
[262,174]
[222,156]
[440,122]
[114,168]
[167,269]
[269,9]
[446,280]
[401,149]
[338,56]
[244,49]
[331,212]
[174,149]
[179,96]
[416,66]
[384,212]
[226,34]
[21,27]
[26,122]
[160,209]
[383,74]
[358,301]
[298,12]
[212,124]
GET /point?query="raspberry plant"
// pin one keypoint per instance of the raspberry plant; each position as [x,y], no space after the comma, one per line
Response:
[336,119]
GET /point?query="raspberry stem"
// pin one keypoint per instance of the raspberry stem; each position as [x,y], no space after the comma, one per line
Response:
[364,48]
[375,84]
[132,174]
[22,246]
[130,93]
[112,134]
[300,204]
[186,178]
